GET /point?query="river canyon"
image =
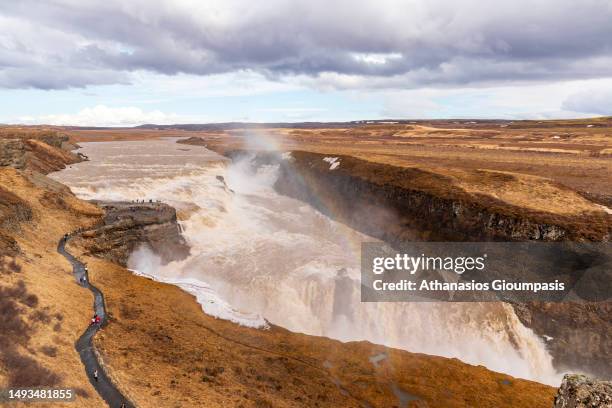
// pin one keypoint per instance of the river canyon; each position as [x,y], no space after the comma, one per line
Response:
[258,256]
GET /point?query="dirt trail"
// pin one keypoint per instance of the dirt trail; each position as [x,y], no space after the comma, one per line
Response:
[84,344]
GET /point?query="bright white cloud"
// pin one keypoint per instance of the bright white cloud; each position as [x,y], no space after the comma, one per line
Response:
[565,99]
[377,58]
[102,115]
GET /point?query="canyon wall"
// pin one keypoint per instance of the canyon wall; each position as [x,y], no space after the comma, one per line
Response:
[399,204]
[577,334]
[36,152]
[128,225]
[43,152]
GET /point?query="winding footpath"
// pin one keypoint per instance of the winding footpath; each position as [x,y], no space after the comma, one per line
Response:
[84,344]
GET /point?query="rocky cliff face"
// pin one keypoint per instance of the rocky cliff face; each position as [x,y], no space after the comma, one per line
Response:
[36,151]
[399,204]
[577,334]
[579,391]
[39,151]
[129,225]
[12,153]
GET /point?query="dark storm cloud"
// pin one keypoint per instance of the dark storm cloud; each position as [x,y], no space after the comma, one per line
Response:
[384,43]
[47,79]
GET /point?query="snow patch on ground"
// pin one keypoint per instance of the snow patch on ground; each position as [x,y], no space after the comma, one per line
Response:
[211,303]
[333,161]
[606,209]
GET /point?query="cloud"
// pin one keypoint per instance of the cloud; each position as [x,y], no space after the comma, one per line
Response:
[102,115]
[294,114]
[58,78]
[593,102]
[584,98]
[399,44]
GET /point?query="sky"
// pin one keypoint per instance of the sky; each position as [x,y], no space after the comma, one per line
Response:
[124,63]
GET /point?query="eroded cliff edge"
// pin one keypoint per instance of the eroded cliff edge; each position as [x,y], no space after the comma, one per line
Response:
[40,151]
[398,204]
[127,225]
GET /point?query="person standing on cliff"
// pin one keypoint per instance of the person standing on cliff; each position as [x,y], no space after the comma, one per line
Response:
[95,375]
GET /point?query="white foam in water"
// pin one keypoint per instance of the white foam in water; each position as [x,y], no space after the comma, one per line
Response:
[211,302]
[256,253]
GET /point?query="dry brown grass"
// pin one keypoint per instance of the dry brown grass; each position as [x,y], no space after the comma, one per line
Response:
[52,310]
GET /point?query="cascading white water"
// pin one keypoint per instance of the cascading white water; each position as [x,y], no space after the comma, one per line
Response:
[271,255]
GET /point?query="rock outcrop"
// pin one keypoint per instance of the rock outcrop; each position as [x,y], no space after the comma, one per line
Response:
[580,391]
[128,225]
[43,152]
[36,152]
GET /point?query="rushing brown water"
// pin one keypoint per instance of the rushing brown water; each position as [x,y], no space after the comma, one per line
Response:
[257,254]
